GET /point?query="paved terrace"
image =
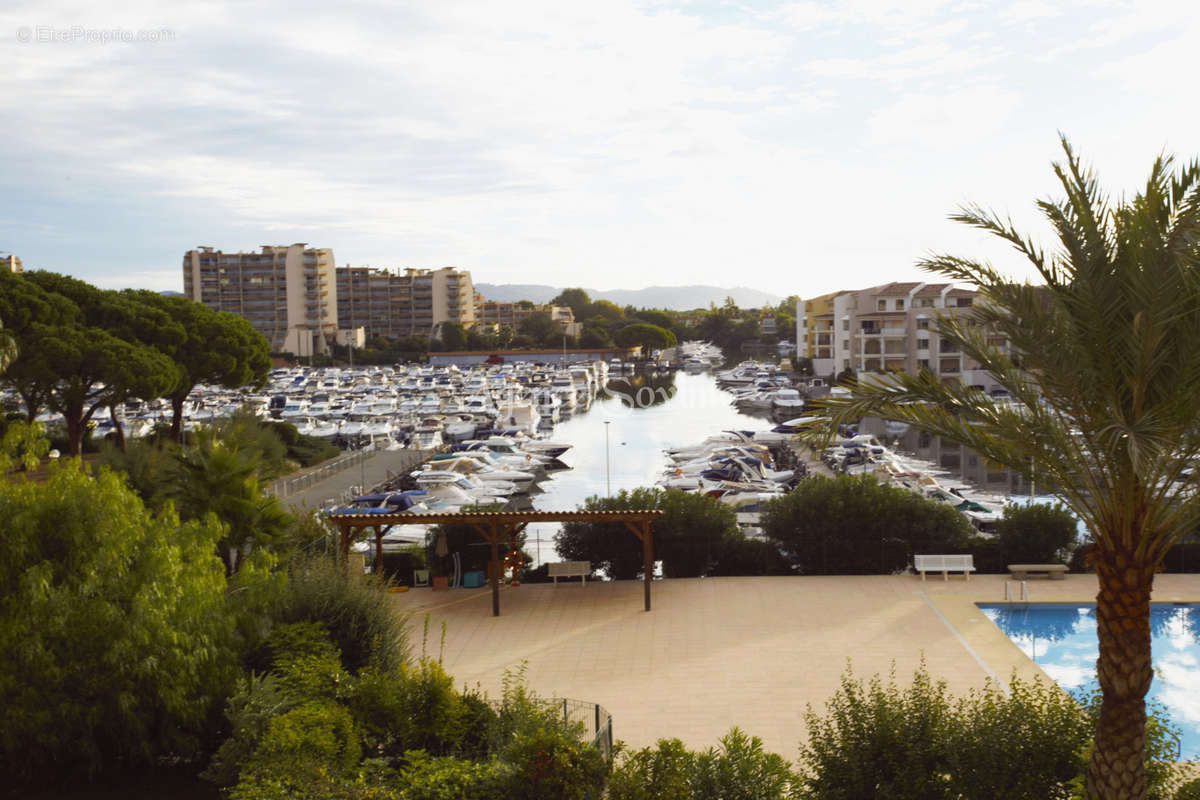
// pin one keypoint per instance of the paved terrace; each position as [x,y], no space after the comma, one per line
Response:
[718,652]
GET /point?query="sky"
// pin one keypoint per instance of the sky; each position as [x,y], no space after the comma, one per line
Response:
[793,147]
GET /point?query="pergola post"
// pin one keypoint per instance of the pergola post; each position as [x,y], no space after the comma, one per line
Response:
[647,560]
[641,529]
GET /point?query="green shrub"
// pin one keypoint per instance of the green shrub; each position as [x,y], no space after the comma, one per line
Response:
[1030,742]
[663,772]
[553,764]
[115,634]
[426,778]
[689,538]
[415,707]
[1023,745]
[855,525]
[1036,534]
[521,711]
[300,750]
[1189,790]
[357,611]
[879,741]
[314,676]
[250,710]
[739,769]
[751,557]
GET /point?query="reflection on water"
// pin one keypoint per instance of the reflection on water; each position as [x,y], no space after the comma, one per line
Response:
[1062,640]
[627,452]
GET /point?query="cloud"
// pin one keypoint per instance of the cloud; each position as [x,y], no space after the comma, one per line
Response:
[641,142]
[932,120]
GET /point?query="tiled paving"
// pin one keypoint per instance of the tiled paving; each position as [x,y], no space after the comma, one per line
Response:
[719,652]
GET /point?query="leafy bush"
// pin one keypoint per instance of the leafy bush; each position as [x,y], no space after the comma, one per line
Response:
[878,741]
[426,778]
[1024,745]
[113,624]
[689,538]
[1189,790]
[412,708]
[739,769]
[553,764]
[300,750]
[663,772]
[357,611]
[250,710]
[855,525]
[751,557]
[1036,534]
[1030,743]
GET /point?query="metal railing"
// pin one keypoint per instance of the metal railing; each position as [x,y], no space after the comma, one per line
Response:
[292,484]
[595,719]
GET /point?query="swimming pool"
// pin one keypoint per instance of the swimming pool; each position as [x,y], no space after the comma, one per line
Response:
[1061,639]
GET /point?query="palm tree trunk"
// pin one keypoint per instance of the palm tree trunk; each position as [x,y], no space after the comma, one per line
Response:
[1118,765]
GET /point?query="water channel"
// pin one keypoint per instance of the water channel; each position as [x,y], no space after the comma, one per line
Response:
[618,443]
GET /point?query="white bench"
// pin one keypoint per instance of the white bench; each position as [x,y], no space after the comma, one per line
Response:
[569,569]
[1055,572]
[945,564]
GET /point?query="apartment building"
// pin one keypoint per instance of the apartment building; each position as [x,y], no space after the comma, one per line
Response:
[887,328]
[511,314]
[10,262]
[410,302]
[288,293]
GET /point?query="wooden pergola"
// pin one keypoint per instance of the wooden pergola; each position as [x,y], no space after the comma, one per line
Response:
[496,527]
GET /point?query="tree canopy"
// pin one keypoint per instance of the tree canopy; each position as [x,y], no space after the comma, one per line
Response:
[576,299]
[650,337]
[1102,365]
[216,348]
[113,625]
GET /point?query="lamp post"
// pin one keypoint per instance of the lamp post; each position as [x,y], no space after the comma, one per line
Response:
[607,464]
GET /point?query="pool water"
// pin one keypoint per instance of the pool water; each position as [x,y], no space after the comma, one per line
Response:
[1061,639]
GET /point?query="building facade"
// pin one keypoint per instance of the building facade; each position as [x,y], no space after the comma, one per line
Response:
[892,327]
[10,262]
[512,314]
[412,302]
[287,293]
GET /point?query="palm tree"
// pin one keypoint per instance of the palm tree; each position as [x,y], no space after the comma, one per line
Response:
[1104,368]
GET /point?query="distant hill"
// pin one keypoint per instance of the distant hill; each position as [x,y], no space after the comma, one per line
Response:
[673,297]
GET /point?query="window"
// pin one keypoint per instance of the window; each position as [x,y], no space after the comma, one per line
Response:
[923,363]
[845,324]
[899,305]
[923,324]
[881,305]
[845,344]
[922,344]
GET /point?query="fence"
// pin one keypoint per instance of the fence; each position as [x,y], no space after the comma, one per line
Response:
[596,722]
[285,487]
